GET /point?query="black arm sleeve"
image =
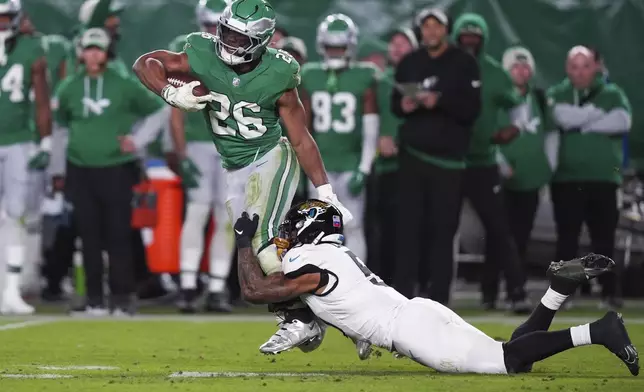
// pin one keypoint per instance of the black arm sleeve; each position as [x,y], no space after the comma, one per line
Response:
[461,99]
[399,77]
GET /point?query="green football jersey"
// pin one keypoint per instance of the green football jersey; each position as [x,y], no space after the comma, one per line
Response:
[193,123]
[337,109]
[15,86]
[243,119]
[57,49]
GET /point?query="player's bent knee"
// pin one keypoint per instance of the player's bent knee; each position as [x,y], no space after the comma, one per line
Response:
[269,261]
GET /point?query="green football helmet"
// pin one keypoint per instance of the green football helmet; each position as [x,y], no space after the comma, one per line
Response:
[208,13]
[335,33]
[13,9]
[245,29]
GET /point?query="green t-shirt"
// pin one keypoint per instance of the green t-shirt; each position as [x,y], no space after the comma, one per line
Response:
[526,154]
[15,89]
[389,122]
[243,119]
[337,110]
[193,123]
[588,156]
[98,110]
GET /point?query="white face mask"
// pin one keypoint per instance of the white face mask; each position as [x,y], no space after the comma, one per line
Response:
[336,63]
[229,58]
[4,37]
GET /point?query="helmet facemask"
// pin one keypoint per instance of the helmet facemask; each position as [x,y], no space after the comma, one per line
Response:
[236,47]
[8,30]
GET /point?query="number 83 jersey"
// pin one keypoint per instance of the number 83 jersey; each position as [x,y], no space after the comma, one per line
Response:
[244,117]
[337,109]
[355,300]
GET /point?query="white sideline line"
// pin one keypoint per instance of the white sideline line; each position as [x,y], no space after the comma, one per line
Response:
[74,367]
[241,374]
[26,324]
[43,376]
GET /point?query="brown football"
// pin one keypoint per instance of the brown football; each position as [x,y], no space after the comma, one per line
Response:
[178,79]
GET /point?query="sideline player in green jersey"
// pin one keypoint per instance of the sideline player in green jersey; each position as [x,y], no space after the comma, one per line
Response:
[22,66]
[251,87]
[340,95]
[205,180]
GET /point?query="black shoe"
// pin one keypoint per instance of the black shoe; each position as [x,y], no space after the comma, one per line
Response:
[187,302]
[489,306]
[218,303]
[55,295]
[521,306]
[566,276]
[611,332]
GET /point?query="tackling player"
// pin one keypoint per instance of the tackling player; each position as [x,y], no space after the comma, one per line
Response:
[201,171]
[340,95]
[251,88]
[22,66]
[344,293]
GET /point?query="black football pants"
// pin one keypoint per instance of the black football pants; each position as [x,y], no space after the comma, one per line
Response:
[429,201]
[482,187]
[384,199]
[102,198]
[593,203]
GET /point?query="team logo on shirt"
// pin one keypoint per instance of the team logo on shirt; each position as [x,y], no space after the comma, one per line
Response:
[236,82]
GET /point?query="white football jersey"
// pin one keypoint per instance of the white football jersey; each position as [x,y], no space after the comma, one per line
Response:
[355,300]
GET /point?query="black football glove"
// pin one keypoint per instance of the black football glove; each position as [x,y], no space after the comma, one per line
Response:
[245,230]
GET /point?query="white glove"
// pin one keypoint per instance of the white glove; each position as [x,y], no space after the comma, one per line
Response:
[184,99]
[325,193]
[53,205]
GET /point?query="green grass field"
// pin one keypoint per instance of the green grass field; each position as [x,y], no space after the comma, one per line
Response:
[157,353]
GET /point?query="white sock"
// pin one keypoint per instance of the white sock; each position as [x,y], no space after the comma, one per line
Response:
[552,299]
[15,260]
[216,285]
[580,335]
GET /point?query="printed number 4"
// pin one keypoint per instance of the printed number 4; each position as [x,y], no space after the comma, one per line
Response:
[373,278]
[12,83]
[243,123]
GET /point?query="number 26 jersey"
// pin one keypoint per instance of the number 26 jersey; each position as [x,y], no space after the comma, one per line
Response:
[355,300]
[244,117]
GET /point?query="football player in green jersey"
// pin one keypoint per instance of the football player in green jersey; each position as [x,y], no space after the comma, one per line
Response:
[202,173]
[251,87]
[341,98]
[22,66]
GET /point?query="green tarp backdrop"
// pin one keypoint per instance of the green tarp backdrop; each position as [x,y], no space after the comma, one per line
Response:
[548,27]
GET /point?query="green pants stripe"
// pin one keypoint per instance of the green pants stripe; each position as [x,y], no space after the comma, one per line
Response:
[274,194]
[284,200]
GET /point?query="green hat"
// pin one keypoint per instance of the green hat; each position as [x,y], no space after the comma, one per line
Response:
[96,37]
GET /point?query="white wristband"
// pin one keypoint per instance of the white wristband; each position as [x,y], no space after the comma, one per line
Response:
[325,191]
[45,144]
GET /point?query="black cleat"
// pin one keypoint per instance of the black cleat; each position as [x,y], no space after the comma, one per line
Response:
[218,303]
[187,302]
[566,276]
[614,337]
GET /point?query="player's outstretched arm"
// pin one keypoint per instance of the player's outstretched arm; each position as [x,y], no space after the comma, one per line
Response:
[41,97]
[152,68]
[295,119]
[257,288]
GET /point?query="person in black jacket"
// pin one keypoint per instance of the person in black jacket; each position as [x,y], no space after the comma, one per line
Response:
[437,93]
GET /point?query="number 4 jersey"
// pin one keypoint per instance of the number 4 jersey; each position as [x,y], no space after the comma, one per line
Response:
[243,118]
[355,300]
[15,83]
[337,109]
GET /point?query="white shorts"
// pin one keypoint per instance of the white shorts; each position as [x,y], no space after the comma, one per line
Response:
[434,336]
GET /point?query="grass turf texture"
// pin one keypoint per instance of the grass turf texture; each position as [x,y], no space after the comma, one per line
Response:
[146,353]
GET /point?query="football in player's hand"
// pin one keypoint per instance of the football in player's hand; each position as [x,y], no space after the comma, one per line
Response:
[179,79]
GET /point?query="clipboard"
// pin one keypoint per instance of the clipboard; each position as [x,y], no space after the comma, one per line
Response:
[410,89]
